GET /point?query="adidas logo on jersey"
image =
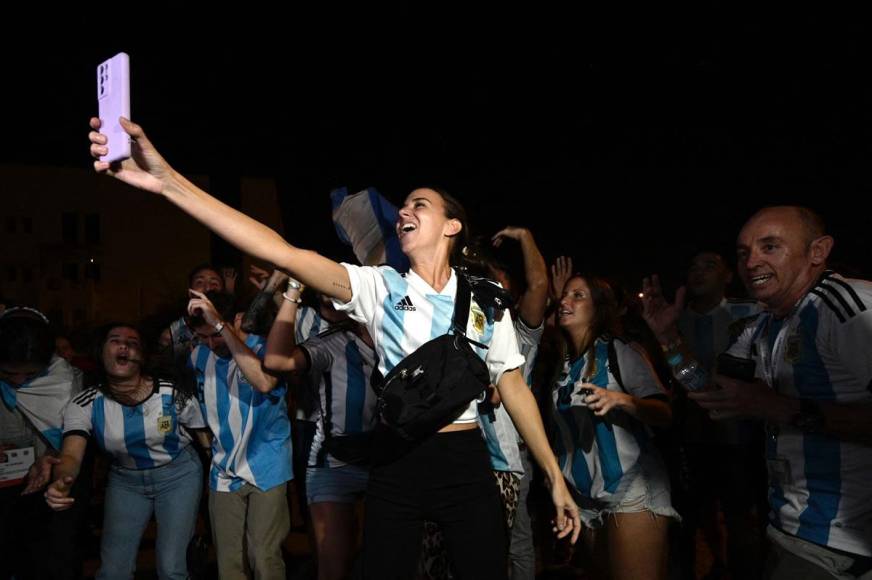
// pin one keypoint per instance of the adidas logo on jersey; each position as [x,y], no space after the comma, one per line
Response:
[405,304]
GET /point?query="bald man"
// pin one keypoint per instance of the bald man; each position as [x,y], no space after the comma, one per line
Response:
[812,347]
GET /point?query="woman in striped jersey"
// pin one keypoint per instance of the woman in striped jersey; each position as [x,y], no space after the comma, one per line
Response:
[338,364]
[605,396]
[447,478]
[137,419]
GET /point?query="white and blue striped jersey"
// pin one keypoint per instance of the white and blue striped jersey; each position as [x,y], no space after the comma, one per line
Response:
[183,339]
[251,431]
[139,436]
[601,455]
[499,431]
[820,487]
[41,402]
[340,364]
[402,312]
[500,437]
[309,323]
[528,344]
[708,335]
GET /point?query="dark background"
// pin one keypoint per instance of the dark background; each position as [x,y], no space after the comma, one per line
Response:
[625,138]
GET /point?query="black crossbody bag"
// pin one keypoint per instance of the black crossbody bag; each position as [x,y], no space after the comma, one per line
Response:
[432,386]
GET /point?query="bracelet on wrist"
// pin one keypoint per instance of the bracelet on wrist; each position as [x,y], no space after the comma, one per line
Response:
[297,300]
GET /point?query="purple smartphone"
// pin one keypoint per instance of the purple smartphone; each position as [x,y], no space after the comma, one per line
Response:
[113,100]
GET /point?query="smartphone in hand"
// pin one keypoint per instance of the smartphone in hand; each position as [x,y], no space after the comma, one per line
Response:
[584,391]
[113,101]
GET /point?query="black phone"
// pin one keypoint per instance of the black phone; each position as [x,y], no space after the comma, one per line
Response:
[735,367]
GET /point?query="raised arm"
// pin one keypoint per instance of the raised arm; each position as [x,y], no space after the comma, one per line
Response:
[561,272]
[659,314]
[249,363]
[531,307]
[282,353]
[147,170]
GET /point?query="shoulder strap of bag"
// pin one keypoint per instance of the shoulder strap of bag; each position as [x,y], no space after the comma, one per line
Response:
[462,302]
[613,364]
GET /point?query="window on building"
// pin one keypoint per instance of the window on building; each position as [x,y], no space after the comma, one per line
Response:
[92,228]
[92,271]
[71,272]
[70,227]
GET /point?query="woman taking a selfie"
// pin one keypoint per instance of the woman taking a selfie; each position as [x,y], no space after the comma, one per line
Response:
[447,477]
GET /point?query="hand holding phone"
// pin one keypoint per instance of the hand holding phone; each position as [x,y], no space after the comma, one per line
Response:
[584,391]
[113,101]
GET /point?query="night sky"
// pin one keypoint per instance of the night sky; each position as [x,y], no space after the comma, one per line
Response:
[626,142]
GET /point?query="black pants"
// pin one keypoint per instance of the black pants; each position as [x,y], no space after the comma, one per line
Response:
[446,479]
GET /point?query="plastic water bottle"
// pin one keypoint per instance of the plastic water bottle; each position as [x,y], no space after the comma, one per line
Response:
[690,374]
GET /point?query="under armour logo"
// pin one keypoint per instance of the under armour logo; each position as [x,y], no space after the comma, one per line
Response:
[405,304]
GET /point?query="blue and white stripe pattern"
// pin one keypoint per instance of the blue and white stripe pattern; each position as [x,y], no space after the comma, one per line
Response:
[309,323]
[366,221]
[139,436]
[341,367]
[528,343]
[499,431]
[43,399]
[183,339]
[598,455]
[252,433]
[820,487]
[501,438]
[402,312]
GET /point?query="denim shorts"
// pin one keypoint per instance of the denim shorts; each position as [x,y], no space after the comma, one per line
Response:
[646,490]
[345,484]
